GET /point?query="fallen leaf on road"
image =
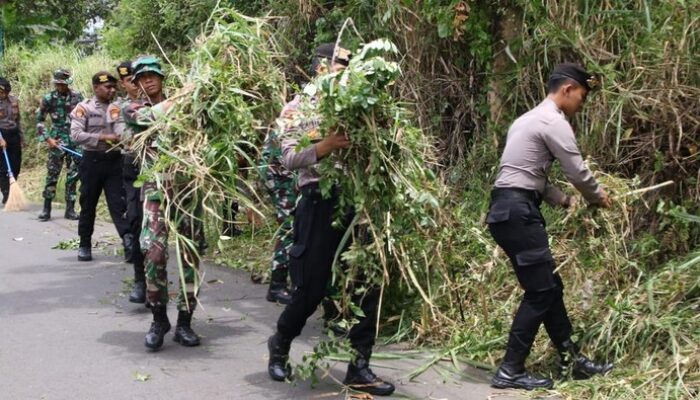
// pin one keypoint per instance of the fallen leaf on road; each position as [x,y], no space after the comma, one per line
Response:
[215,281]
[71,244]
[226,309]
[18,239]
[141,377]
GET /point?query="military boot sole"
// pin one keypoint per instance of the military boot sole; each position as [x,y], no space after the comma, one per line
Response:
[372,389]
[508,384]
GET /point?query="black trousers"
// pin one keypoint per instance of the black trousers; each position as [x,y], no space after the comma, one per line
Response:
[100,171]
[14,153]
[134,213]
[310,262]
[516,224]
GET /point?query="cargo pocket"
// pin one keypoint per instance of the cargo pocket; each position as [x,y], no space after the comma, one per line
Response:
[498,213]
[296,265]
[539,255]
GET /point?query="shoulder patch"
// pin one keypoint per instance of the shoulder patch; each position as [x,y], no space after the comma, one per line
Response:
[114,112]
[79,111]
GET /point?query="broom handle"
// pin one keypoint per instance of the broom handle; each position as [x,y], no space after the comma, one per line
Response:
[7,161]
[71,151]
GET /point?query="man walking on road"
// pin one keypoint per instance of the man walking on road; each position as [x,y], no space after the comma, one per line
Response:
[101,164]
[58,105]
[12,139]
[139,116]
[316,239]
[534,141]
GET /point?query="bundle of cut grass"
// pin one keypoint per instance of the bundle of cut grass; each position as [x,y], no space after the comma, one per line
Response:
[385,175]
[234,90]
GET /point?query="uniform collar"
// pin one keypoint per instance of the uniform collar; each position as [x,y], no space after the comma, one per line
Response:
[549,104]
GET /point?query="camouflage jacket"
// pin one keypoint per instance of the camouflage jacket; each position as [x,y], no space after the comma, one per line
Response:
[59,107]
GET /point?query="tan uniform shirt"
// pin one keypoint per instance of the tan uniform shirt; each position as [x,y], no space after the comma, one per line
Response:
[9,113]
[294,123]
[88,122]
[534,141]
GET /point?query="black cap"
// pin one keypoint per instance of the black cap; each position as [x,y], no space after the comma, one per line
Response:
[326,50]
[577,73]
[124,69]
[103,77]
[5,85]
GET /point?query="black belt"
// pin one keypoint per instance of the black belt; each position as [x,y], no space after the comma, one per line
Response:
[516,194]
[101,155]
[313,190]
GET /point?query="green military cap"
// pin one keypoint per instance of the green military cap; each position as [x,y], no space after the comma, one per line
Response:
[145,64]
[62,76]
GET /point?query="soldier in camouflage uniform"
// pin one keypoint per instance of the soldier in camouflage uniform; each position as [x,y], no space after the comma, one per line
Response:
[58,105]
[281,185]
[138,116]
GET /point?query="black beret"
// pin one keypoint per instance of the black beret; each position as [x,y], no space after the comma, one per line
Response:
[325,50]
[103,77]
[577,73]
[124,69]
[5,85]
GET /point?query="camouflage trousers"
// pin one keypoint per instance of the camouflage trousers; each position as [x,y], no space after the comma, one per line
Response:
[281,185]
[154,245]
[53,166]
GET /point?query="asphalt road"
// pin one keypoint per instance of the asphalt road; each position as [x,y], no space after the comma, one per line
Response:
[67,331]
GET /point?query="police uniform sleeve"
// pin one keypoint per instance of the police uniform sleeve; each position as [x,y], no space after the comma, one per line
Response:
[77,127]
[293,159]
[561,142]
[115,120]
[41,117]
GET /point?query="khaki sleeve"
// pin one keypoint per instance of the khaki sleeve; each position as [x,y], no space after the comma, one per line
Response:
[77,127]
[561,142]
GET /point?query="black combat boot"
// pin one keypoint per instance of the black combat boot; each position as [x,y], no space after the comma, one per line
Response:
[138,292]
[128,242]
[359,377]
[159,327]
[85,253]
[278,366]
[278,291]
[183,330]
[70,211]
[576,365]
[46,212]
[512,374]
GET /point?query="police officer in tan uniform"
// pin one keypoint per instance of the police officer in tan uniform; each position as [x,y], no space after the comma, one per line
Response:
[535,140]
[101,164]
[12,137]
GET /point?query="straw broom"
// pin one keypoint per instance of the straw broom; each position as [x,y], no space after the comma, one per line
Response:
[16,201]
